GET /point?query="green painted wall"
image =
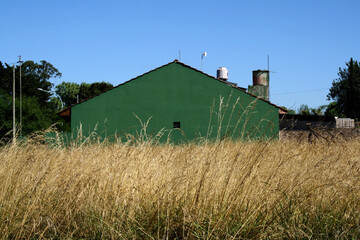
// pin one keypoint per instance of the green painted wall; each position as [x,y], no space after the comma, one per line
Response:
[176,93]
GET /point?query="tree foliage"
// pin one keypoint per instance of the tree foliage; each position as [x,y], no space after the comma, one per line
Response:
[39,108]
[306,110]
[333,110]
[345,91]
[68,92]
[98,87]
[71,92]
[289,111]
[37,111]
[34,76]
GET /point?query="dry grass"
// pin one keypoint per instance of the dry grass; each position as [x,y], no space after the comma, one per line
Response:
[226,190]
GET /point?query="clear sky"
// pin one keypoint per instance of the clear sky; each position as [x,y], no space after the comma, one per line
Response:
[114,41]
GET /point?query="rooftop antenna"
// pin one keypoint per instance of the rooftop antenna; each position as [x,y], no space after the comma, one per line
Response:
[180,55]
[268,64]
[204,54]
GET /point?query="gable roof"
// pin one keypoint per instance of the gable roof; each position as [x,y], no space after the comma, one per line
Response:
[66,111]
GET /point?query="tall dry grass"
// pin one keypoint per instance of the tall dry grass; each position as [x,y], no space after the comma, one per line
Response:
[224,190]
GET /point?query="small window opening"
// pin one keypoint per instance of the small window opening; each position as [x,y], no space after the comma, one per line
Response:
[176,124]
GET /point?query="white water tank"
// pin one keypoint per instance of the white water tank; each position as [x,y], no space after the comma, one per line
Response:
[222,73]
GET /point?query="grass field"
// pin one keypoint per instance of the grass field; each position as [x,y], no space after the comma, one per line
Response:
[224,190]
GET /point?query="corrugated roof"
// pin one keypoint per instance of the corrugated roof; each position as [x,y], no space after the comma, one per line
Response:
[183,64]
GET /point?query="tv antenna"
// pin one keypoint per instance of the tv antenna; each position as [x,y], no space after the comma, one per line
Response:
[268,64]
[204,54]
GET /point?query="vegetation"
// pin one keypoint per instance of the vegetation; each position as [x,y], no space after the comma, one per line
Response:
[345,92]
[141,190]
[71,92]
[39,107]
[305,110]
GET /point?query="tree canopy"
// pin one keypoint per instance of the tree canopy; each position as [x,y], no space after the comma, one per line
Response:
[37,110]
[345,91]
[71,92]
[39,107]
[306,110]
[68,92]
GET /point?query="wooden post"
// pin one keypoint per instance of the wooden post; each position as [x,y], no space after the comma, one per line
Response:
[21,122]
[14,123]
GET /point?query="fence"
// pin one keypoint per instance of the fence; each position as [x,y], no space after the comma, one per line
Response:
[345,123]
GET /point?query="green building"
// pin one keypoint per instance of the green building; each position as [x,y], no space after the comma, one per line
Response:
[178,101]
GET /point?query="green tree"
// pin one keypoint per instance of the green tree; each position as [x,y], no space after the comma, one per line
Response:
[345,90]
[333,110]
[35,117]
[290,111]
[34,76]
[84,92]
[5,113]
[319,111]
[93,89]
[304,110]
[99,87]
[68,91]
[56,103]
[37,110]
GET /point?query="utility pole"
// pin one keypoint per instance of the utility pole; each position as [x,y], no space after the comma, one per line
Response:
[20,98]
[14,126]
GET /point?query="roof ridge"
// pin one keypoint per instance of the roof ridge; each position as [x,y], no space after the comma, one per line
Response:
[183,64]
[63,110]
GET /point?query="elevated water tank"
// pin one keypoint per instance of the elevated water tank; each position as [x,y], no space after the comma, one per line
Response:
[222,73]
[261,77]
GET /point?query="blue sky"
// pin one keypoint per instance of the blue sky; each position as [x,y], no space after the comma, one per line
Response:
[114,41]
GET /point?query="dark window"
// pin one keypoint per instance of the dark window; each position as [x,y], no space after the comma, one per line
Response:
[176,124]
